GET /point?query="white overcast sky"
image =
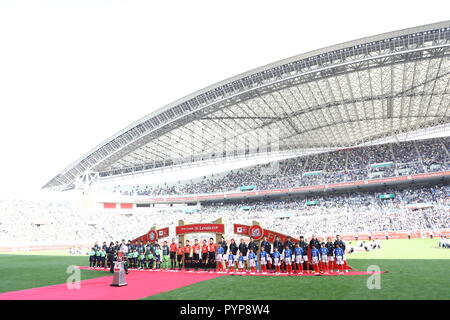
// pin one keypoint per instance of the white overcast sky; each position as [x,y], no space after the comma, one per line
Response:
[72,73]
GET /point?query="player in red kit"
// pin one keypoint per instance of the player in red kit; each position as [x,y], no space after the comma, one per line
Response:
[173,254]
[212,247]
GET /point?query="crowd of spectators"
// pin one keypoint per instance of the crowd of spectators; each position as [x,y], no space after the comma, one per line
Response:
[386,160]
[54,223]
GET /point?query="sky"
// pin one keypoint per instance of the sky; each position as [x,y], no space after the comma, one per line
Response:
[72,73]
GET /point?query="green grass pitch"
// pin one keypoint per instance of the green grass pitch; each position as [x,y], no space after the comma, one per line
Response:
[417,269]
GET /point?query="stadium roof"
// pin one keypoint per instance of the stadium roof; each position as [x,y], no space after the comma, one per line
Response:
[359,92]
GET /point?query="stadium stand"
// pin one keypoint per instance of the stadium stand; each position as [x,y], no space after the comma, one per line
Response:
[410,208]
[378,161]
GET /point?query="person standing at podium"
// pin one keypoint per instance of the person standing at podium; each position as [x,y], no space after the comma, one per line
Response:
[124,252]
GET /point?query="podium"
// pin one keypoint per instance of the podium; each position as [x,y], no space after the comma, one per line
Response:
[119,275]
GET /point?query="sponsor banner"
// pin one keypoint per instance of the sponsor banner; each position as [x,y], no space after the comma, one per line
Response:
[143,238]
[345,184]
[204,227]
[44,247]
[153,235]
[414,206]
[162,233]
[402,234]
[275,191]
[427,175]
[387,196]
[210,196]
[272,234]
[245,230]
[241,229]
[383,164]
[397,235]
[233,195]
[308,188]
[191,210]
[312,173]
[245,188]
[389,179]
[415,234]
[379,235]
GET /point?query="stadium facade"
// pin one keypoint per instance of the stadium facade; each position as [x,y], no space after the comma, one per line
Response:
[386,88]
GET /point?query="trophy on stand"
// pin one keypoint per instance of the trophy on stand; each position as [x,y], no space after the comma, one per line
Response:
[119,272]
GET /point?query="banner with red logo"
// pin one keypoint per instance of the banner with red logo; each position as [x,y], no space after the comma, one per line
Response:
[256,232]
[241,229]
[202,227]
[153,235]
[162,233]
[271,235]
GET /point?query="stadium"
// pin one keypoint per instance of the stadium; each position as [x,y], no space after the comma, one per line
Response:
[347,145]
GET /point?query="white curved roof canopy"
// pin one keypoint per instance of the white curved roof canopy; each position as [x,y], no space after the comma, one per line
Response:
[346,95]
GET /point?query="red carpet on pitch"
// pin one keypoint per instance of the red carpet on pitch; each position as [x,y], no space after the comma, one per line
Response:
[140,285]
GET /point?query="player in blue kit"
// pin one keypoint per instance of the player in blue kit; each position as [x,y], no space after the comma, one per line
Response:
[263,259]
[339,258]
[276,256]
[252,261]
[287,254]
[219,259]
[298,251]
[231,261]
[324,258]
[315,257]
[241,263]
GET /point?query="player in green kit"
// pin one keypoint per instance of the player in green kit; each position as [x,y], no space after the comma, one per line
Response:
[165,256]
[135,258]
[92,258]
[130,259]
[98,258]
[158,257]
[103,258]
[149,259]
